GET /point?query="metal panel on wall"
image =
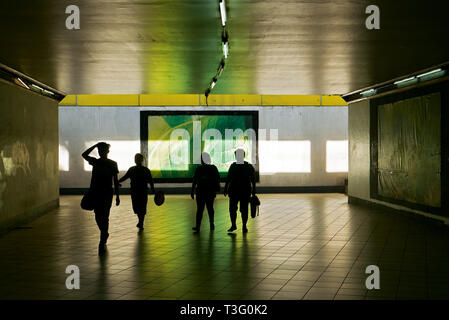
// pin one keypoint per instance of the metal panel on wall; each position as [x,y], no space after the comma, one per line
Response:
[409,145]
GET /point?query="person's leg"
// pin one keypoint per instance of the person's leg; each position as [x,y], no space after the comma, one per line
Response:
[139,201]
[100,220]
[244,201]
[210,211]
[200,203]
[233,201]
[143,211]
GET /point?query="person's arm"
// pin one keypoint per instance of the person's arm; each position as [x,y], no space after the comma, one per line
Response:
[228,180]
[253,180]
[150,181]
[217,177]
[116,187]
[125,177]
[86,153]
[192,192]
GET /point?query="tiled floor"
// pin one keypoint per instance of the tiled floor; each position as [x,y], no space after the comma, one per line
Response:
[302,246]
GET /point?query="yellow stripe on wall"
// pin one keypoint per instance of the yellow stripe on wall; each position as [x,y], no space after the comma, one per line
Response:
[231,100]
[69,100]
[169,99]
[333,101]
[108,99]
[290,100]
[200,100]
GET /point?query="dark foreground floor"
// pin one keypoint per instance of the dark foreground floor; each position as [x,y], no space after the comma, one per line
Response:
[302,246]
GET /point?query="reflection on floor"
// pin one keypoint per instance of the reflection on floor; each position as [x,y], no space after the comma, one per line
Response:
[302,246]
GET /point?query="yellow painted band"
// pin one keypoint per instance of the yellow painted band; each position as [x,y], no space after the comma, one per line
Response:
[333,101]
[108,99]
[169,100]
[231,100]
[200,100]
[69,100]
[291,100]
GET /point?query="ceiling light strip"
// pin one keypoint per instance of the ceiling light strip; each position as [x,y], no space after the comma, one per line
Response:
[224,45]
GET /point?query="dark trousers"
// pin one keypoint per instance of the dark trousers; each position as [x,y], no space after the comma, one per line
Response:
[201,202]
[140,200]
[103,202]
[233,202]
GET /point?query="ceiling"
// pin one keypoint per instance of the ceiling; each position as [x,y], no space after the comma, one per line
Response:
[173,47]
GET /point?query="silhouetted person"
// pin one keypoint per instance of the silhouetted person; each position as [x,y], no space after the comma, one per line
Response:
[240,184]
[140,178]
[104,172]
[206,184]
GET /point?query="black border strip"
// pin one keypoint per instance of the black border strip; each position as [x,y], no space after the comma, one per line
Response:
[144,134]
[260,190]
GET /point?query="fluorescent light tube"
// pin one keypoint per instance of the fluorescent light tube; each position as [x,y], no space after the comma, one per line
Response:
[220,68]
[225,50]
[429,73]
[37,87]
[404,80]
[368,92]
[223,12]
[213,83]
[23,83]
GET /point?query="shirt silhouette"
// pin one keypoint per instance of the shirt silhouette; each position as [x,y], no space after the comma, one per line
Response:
[206,184]
[103,171]
[104,174]
[240,184]
[140,178]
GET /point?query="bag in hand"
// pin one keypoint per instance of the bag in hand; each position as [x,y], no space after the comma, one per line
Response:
[254,203]
[88,201]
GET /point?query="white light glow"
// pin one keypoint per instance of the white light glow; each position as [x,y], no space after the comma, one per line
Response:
[223,13]
[63,158]
[121,151]
[284,156]
[337,156]
[225,50]
[169,155]
[429,73]
[37,87]
[369,92]
[23,83]
[404,80]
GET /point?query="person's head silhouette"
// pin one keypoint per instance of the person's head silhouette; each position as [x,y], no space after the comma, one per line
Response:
[103,149]
[239,156]
[205,158]
[138,159]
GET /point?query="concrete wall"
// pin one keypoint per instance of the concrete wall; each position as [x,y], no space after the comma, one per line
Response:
[29,182]
[79,125]
[359,150]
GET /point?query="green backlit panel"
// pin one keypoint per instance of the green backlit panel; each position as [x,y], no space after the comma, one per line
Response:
[174,140]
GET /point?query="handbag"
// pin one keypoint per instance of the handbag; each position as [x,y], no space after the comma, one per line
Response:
[159,197]
[254,204]
[88,201]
